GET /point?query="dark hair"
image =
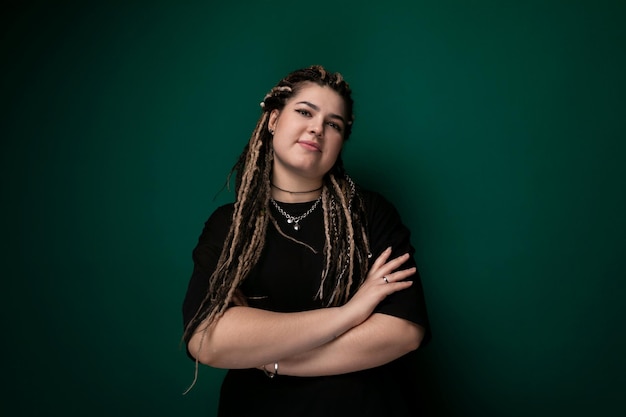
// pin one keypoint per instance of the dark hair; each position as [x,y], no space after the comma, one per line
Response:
[346,247]
[292,83]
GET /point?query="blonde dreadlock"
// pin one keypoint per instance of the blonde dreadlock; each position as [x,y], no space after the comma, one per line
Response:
[346,249]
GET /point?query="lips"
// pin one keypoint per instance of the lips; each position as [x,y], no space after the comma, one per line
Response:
[313,146]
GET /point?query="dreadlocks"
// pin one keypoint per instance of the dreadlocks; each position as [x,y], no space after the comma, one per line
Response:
[346,249]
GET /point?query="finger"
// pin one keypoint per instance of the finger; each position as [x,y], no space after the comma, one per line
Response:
[395,286]
[382,258]
[396,262]
[383,262]
[399,275]
[391,265]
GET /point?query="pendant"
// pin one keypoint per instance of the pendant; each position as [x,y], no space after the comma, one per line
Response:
[296,227]
[289,220]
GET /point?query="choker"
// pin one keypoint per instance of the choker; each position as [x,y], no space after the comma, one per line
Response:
[295,192]
[296,220]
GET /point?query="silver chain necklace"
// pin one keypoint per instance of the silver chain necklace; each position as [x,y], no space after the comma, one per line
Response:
[295,220]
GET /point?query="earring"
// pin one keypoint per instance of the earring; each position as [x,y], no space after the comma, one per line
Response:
[271,131]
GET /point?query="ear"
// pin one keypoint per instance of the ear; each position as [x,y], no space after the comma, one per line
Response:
[271,124]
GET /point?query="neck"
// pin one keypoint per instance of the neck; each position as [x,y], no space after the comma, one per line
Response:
[295,195]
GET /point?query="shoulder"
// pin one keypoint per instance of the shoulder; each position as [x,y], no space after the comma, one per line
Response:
[385,226]
[377,205]
[218,223]
[371,197]
[222,213]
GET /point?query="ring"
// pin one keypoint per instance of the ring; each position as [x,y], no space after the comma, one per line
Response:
[385,278]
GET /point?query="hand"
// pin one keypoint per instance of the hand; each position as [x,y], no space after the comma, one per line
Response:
[382,279]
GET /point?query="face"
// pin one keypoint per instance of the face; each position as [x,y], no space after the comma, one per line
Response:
[308,134]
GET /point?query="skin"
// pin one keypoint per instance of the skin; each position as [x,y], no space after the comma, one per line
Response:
[308,137]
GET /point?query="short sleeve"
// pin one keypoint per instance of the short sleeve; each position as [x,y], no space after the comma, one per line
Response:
[386,229]
[205,256]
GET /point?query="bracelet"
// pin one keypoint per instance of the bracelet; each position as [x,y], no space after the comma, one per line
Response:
[271,375]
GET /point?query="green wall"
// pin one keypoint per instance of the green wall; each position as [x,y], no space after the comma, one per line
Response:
[497,128]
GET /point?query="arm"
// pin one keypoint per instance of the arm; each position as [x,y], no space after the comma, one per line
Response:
[398,325]
[246,337]
[377,341]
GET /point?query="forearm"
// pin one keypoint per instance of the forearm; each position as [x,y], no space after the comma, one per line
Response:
[377,341]
[247,337]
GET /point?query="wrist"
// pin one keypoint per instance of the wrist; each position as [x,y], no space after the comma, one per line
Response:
[273,372]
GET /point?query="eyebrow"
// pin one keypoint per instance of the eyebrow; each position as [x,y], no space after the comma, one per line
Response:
[316,108]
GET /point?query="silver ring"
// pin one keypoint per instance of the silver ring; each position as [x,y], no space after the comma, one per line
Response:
[385,278]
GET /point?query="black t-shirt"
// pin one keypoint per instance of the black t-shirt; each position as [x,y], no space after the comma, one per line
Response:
[286,279]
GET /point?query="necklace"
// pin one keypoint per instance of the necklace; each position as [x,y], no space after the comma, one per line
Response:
[295,192]
[295,220]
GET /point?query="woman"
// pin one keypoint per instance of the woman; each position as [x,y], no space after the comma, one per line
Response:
[305,288]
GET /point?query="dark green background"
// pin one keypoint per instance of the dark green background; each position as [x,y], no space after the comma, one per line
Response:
[496,127]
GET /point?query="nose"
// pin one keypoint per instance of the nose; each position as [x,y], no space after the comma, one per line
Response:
[317,127]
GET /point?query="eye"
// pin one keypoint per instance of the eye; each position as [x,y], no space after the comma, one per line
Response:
[334,126]
[304,112]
